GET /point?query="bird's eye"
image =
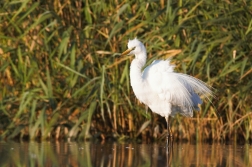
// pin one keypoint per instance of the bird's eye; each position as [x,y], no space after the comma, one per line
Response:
[133,48]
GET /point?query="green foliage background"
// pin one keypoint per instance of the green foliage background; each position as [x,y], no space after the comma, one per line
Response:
[62,76]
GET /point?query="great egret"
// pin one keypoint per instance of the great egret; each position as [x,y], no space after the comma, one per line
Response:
[164,91]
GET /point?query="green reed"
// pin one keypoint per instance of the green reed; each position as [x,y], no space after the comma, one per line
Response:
[62,75]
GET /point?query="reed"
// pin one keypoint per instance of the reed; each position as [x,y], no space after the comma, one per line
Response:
[62,76]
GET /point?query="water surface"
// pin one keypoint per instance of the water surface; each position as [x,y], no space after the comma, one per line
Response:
[89,154]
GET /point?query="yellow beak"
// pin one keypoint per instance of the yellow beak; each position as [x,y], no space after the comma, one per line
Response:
[127,51]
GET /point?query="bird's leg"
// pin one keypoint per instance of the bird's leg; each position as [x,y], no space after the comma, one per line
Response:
[146,109]
[167,138]
[169,133]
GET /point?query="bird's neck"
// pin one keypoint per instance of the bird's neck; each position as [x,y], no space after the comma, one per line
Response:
[136,70]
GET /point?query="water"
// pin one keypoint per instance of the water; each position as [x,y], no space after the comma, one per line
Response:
[87,154]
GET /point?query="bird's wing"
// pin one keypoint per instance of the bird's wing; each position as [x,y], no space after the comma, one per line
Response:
[176,88]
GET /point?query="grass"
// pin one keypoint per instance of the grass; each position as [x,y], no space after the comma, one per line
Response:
[61,74]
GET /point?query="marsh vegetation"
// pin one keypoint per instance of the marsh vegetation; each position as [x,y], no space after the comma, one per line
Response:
[62,76]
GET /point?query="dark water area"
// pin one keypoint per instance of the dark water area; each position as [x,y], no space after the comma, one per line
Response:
[90,154]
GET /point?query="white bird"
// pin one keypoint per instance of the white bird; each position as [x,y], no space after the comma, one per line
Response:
[164,91]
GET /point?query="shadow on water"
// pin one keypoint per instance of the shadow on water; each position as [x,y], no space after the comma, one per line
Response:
[117,154]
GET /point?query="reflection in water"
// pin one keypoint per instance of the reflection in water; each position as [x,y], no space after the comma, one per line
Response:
[86,154]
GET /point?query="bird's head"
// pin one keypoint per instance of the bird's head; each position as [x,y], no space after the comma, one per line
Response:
[134,47]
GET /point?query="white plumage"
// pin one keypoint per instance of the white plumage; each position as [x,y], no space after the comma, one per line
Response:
[164,91]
